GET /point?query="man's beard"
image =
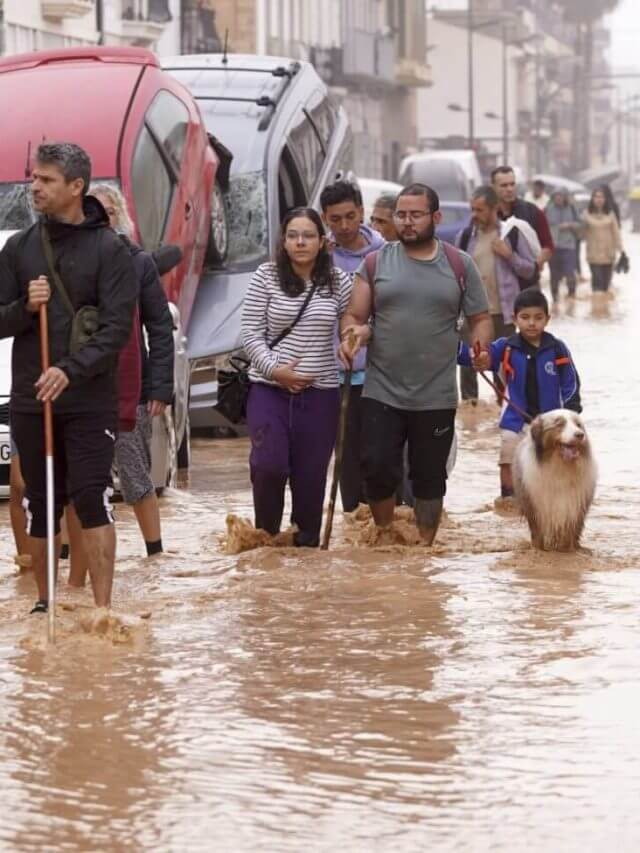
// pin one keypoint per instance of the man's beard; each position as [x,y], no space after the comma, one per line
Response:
[422,238]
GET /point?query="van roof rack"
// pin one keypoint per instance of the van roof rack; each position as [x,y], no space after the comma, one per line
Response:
[267,101]
[278,71]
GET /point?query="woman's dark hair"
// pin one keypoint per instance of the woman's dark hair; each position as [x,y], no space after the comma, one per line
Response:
[531,297]
[607,203]
[322,274]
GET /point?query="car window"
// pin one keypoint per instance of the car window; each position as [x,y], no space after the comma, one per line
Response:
[321,112]
[307,150]
[152,190]
[168,119]
[290,186]
[247,218]
[16,211]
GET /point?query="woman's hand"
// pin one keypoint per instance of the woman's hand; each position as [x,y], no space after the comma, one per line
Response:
[287,377]
[353,338]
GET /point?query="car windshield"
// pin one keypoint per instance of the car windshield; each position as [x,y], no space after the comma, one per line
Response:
[247,219]
[451,215]
[15,207]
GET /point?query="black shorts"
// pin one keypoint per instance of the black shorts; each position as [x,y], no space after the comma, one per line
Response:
[385,430]
[83,455]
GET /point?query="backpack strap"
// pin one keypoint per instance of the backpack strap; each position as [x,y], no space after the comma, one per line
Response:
[454,257]
[465,237]
[507,367]
[371,268]
[457,265]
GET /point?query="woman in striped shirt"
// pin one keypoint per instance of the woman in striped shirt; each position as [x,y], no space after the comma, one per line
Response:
[292,411]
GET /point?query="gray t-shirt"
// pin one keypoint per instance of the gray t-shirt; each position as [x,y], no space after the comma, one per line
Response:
[412,355]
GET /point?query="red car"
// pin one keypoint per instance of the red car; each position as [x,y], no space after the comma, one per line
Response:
[142,130]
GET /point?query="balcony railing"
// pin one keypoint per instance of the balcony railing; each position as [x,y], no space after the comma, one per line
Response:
[143,21]
[56,10]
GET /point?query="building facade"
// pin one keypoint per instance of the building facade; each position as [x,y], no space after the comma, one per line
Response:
[27,25]
[371,53]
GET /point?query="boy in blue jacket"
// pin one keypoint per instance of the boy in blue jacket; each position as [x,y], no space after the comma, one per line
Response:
[536,369]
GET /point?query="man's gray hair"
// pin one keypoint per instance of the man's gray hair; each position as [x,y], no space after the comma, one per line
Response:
[73,161]
[386,201]
[488,194]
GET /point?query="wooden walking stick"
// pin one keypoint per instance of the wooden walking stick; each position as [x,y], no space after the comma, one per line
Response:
[337,465]
[48,444]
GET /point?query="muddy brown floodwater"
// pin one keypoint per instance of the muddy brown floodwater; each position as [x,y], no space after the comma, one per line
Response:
[476,697]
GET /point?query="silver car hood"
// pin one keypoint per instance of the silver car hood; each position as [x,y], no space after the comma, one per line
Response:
[214,326]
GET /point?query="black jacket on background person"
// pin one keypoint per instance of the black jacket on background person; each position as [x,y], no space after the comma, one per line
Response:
[155,317]
[97,270]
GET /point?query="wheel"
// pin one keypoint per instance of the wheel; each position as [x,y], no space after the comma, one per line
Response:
[184,451]
[219,236]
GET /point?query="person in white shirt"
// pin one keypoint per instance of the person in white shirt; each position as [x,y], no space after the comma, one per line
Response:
[538,195]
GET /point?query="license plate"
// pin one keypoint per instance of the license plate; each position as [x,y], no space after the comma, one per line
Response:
[5,452]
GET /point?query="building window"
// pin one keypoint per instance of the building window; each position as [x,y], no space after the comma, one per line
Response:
[152,190]
[199,28]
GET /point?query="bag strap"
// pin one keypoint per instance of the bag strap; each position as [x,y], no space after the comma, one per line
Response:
[48,253]
[465,237]
[457,265]
[371,268]
[283,334]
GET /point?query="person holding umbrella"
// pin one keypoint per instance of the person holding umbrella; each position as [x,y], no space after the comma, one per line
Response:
[72,262]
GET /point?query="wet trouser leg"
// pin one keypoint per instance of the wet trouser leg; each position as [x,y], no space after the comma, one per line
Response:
[314,427]
[351,482]
[556,272]
[601,275]
[268,423]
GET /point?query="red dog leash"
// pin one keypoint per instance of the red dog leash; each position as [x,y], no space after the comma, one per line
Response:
[524,415]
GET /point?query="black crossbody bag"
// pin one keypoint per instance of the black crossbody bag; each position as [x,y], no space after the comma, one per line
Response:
[233,382]
[84,321]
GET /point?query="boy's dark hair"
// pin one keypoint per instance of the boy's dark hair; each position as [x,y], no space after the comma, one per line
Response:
[433,200]
[73,161]
[532,297]
[338,193]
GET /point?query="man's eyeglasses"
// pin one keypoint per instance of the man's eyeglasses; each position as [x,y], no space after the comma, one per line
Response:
[411,215]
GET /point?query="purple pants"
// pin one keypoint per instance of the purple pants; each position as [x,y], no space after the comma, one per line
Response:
[292,438]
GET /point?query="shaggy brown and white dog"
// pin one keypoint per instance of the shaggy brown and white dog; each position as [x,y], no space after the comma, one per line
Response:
[554,477]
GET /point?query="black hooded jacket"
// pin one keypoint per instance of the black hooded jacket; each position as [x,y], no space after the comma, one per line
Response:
[156,319]
[96,269]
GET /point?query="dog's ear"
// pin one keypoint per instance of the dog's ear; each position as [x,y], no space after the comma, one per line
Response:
[537,436]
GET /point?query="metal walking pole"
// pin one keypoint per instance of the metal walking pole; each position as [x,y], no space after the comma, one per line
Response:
[48,443]
[337,465]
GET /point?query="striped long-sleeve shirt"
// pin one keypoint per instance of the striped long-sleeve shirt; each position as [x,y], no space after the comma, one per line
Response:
[267,311]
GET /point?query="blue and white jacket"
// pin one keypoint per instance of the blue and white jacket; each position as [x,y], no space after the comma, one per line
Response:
[558,380]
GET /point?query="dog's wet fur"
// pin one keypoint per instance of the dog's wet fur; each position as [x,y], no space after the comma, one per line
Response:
[554,477]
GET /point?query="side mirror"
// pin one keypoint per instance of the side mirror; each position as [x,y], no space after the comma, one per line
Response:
[167,257]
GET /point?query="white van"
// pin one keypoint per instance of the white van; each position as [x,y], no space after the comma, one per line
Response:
[466,160]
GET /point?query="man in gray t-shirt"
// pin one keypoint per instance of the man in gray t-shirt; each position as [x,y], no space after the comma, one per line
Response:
[410,389]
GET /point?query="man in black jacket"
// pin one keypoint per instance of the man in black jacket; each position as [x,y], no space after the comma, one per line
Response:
[95,269]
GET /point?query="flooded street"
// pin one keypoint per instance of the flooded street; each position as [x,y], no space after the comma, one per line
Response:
[476,697]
